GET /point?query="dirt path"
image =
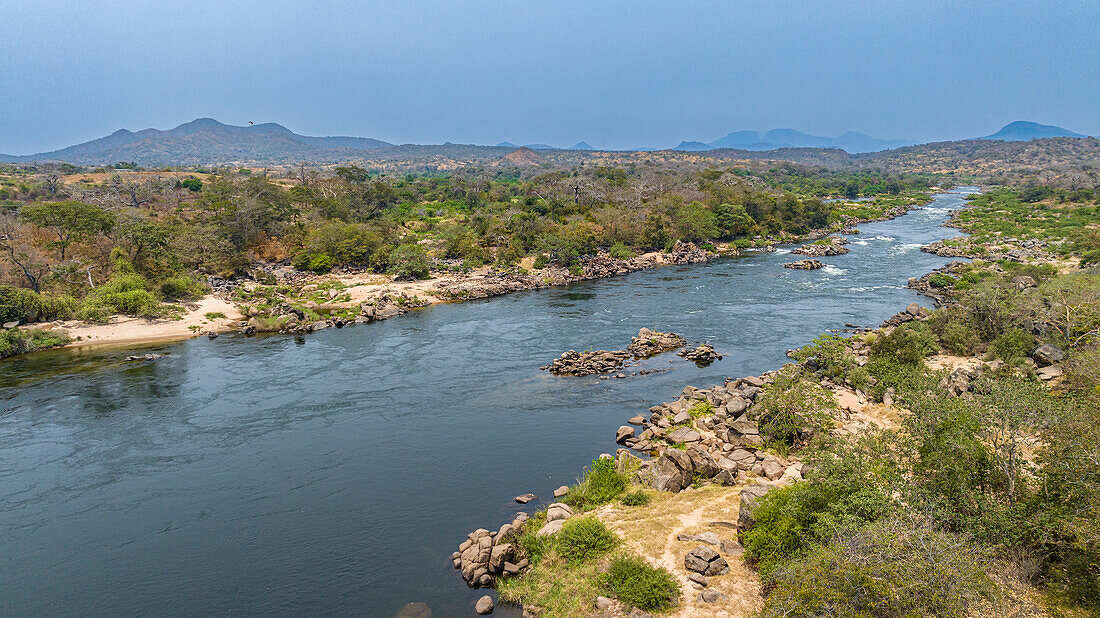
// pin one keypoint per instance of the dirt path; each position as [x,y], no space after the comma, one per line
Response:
[651,532]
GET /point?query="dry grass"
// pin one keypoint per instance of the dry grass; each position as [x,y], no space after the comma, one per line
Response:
[651,531]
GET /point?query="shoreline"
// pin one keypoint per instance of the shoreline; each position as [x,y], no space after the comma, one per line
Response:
[381,297]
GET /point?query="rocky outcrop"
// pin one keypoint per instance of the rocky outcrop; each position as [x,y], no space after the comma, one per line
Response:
[647,343]
[826,247]
[702,355]
[485,555]
[574,363]
[705,561]
[913,312]
[805,265]
[650,343]
[1047,354]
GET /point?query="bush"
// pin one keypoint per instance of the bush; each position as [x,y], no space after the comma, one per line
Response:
[619,251]
[541,261]
[600,485]
[535,547]
[636,498]
[127,294]
[908,344]
[583,539]
[637,584]
[15,341]
[19,304]
[321,264]
[792,408]
[960,338]
[182,288]
[898,567]
[941,280]
[1012,346]
[410,262]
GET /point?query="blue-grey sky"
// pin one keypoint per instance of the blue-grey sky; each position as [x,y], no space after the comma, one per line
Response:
[613,73]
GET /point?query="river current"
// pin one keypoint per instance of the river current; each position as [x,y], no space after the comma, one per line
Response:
[336,473]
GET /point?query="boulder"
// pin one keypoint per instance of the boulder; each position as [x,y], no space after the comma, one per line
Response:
[558,511]
[1024,282]
[1047,354]
[624,432]
[561,491]
[637,420]
[736,406]
[712,596]
[674,471]
[649,343]
[702,462]
[750,496]
[551,527]
[484,605]
[699,579]
[706,561]
[684,435]
[805,265]
[702,355]
[525,498]
[681,417]
[1049,373]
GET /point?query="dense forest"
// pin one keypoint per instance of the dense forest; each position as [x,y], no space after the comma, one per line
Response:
[92,243]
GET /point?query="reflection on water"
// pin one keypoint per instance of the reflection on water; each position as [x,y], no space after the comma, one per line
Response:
[336,473]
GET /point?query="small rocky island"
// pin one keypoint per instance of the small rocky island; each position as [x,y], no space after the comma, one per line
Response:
[646,344]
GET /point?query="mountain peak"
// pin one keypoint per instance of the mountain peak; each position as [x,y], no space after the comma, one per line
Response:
[1025,130]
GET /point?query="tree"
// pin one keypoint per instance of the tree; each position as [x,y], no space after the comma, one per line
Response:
[72,221]
[16,247]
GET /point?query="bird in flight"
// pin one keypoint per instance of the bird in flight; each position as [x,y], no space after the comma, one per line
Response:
[250,122]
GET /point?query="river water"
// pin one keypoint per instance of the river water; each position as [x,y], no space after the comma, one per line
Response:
[335,474]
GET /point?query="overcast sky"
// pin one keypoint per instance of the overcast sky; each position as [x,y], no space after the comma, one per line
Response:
[616,74]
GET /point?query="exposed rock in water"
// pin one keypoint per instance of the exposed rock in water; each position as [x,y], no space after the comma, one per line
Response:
[650,343]
[804,265]
[484,605]
[144,357]
[587,363]
[833,245]
[485,555]
[702,355]
[646,344]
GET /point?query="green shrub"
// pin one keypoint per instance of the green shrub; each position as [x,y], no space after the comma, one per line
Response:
[214,315]
[638,584]
[321,263]
[701,409]
[583,539]
[15,341]
[1092,256]
[941,280]
[600,485]
[895,568]
[829,355]
[182,287]
[541,261]
[908,344]
[19,304]
[127,294]
[791,408]
[635,498]
[410,262]
[960,338]
[619,251]
[1012,346]
[535,547]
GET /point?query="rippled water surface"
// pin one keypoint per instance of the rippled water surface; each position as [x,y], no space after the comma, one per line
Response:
[335,474]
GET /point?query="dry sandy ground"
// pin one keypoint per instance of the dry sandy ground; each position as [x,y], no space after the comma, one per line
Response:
[138,330]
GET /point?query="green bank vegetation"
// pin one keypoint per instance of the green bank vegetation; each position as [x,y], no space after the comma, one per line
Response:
[977,493]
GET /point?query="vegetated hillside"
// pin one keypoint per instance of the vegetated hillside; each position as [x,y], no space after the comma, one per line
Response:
[206,141]
[1022,130]
[986,157]
[520,157]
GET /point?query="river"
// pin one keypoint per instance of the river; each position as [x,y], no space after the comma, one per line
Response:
[335,473]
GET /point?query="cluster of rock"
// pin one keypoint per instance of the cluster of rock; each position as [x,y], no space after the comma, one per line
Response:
[805,264]
[143,357]
[1010,249]
[702,355]
[830,246]
[721,444]
[485,554]
[647,343]
[913,312]
[596,266]
[651,343]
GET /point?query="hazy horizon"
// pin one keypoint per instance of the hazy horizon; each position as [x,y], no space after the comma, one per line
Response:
[617,75]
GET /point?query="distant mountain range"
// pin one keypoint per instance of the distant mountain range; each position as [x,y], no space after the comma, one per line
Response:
[1022,131]
[789,138]
[206,141]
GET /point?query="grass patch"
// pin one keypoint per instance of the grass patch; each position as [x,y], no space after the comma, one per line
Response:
[600,485]
[14,341]
[214,315]
[635,498]
[583,539]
